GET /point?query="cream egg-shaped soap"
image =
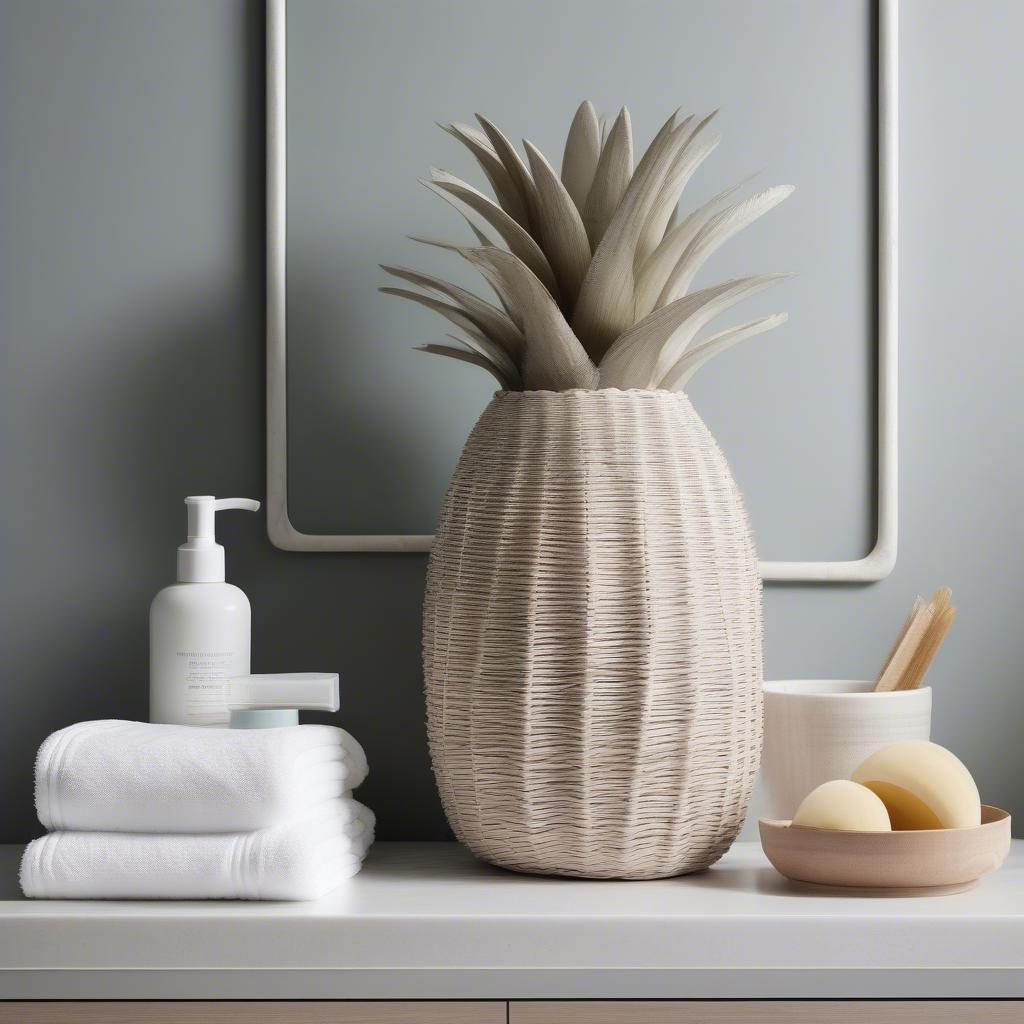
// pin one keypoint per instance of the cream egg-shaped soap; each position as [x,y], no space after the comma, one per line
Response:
[922,785]
[843,805]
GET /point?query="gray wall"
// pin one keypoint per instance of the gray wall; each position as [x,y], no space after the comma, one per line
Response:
[131,274]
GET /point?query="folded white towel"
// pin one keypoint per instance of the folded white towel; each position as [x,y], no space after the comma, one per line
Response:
[302,860]
[113,776]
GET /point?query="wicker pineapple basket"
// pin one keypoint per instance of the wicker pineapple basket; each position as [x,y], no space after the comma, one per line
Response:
[592,638]
[592,631]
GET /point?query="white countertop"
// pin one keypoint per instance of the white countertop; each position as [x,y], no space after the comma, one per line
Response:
[426,920]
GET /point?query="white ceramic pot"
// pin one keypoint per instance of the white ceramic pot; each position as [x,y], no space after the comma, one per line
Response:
[821,729]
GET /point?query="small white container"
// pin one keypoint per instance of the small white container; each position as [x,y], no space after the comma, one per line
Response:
[821,729]
[199,627]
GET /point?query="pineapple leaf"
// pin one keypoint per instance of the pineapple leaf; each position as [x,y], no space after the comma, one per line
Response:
[466,356]
[437,243]
[700,125]
[481,237]
[517,238]
[655,270]
[690,362]
[562,233]
[582,153]
[450,246]
[505,190]
[492,321]
[487,242]
[514,165]
[482,345]
[450,312]
[692,156]
[605,306]
[611,179]
[554,359]
[642,356]
[673,219]
[463,251]
[728,294]
[718,230]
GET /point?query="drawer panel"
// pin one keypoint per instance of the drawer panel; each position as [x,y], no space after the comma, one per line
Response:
[256,1012]
[770,1012]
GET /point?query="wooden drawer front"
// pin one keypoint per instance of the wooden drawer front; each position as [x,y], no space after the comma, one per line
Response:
[770,1012]
[252,1013]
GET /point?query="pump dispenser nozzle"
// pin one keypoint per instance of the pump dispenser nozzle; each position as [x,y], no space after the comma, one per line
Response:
[201,558]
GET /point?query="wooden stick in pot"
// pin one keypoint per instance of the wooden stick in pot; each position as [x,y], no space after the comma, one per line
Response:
[915,674]
[917,643]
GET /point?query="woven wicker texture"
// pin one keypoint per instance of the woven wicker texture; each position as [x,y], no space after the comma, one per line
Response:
[592,638]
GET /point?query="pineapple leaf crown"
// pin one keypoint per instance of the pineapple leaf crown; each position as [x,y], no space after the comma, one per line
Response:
[591,268]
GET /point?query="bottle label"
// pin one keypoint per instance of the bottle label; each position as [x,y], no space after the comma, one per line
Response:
[205,697]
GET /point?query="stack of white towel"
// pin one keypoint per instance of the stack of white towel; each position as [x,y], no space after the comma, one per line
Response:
[173,812]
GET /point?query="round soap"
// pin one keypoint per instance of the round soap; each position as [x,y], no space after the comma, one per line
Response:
[842,805]
[922,785]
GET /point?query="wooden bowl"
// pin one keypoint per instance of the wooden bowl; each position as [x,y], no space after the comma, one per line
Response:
[925,862]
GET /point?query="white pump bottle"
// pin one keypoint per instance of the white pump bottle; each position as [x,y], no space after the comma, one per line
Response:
[198,628]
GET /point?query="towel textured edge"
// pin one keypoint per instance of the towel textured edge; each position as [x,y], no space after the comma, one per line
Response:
[301,860]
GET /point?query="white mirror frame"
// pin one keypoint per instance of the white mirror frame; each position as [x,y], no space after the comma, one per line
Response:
[876,565]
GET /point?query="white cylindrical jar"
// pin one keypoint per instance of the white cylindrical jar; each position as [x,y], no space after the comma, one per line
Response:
[816,730]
